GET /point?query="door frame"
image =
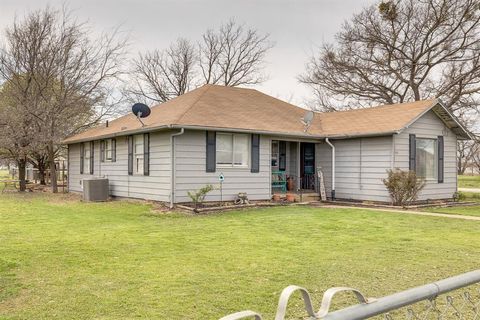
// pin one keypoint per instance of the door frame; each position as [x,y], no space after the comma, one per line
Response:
[307,186]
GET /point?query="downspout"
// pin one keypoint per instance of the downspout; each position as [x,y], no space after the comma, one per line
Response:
[333,167]
[392,157]
[172,163]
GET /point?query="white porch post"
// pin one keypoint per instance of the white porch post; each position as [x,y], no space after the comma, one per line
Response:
[298,166]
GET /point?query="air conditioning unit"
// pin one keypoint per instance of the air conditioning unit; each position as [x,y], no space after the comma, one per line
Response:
[95,189]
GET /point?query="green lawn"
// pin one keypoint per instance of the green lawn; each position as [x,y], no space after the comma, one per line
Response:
[469,196]
[463,210]
[469,181]
[4,174]
[63,259]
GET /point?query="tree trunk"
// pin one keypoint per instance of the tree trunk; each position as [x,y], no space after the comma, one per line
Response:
[53,169]
[22,164]
[41,172]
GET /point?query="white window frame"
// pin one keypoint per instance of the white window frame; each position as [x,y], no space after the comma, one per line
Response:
[234,137]
[86,160]
[138,156]
[108,148]
[435,162]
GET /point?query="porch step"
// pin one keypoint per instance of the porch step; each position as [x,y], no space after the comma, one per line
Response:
[306,197]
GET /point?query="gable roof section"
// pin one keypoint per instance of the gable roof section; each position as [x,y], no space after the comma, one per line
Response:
[226,108]
[379,120]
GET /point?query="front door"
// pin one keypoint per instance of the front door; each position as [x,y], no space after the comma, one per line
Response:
[307,165]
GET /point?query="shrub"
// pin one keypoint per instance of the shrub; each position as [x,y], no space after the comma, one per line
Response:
[403,186]
[199,196]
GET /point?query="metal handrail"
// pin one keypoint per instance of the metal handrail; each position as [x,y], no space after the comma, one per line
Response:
[404,298]
[371,307]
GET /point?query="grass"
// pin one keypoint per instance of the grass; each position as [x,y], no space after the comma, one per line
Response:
[63,259]
[4,174]
[469,196]
[469,181]
[463,210]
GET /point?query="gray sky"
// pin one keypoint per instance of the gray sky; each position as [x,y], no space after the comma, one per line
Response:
[296,27]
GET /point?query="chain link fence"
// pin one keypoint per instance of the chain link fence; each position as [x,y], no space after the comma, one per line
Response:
[452,298]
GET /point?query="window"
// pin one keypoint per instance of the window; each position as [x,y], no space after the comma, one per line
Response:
[232,150]
[138,154]
[108,150]
[87,154]
[426,158]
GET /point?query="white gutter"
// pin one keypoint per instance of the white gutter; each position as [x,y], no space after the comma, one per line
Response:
[333,167]
[392,156]
[291,135]
[172,163]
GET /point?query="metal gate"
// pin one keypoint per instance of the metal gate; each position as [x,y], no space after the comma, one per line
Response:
[452,298]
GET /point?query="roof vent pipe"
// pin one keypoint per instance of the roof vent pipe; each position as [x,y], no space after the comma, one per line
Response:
[106,124]
[333,167]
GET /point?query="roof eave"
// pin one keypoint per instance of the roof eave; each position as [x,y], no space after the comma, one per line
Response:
[264,132]
[116,134]
[362,135]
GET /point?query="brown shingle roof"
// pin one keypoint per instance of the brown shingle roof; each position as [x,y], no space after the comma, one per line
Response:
[220,107]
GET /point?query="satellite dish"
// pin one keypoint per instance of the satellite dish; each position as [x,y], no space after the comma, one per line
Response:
[307,119]
[141,110]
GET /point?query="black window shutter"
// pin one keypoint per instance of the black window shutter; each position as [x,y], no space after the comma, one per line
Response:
[102,150]
[255,153]
[412,157]
[92,156]
[130,155]
[82,153]
[211,151]
[441,152]
[146,154]
[114,150]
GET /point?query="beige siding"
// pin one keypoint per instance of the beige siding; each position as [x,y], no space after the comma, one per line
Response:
[156,186]
[190,154]
[430,126]
[361,165]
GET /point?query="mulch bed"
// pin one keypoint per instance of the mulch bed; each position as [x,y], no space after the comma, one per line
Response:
[229,205]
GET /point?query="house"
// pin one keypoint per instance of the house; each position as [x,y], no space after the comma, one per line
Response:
[246,135]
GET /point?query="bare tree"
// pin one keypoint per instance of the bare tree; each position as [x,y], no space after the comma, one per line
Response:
[476,158]
[160,75]
[402,50]
[17,125]
[466,152]
[71,74]
[233,55]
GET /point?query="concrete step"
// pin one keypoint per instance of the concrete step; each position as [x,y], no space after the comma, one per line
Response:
[306,197]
